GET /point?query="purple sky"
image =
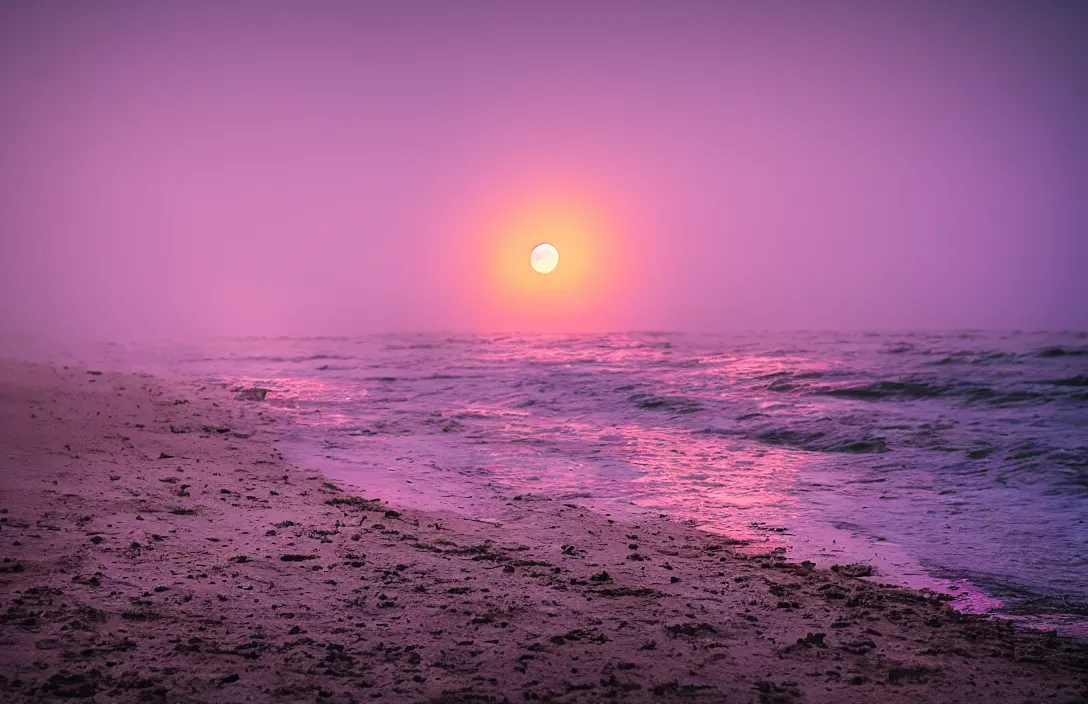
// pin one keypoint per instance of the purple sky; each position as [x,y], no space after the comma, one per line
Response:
[336,168]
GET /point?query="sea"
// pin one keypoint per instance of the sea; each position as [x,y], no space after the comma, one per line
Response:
[952,461]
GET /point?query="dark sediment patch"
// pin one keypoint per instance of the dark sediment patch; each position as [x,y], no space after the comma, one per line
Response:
[357,502]
[643,592]
[255,393]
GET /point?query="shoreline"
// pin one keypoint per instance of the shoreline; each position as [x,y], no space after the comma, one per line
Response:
[158,548]
[969,592]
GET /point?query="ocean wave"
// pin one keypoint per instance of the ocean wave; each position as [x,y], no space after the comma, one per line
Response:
[886,389]
[976,357]
[1005,398]
[808,440]
[1049,352]
[918,390]
[818,441]
[676,404]
[1079,380]
[788,381]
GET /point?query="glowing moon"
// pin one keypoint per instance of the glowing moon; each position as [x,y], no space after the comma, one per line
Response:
[544,258]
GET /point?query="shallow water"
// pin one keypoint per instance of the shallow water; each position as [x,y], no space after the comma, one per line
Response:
[954,461]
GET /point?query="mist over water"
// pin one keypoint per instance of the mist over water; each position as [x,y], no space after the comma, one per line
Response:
[338,168]
[953,461]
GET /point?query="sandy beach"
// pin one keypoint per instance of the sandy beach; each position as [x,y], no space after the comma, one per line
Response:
[158,547]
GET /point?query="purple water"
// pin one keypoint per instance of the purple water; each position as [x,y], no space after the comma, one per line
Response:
[953,461]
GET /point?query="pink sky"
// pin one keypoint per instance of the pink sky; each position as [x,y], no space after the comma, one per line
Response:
[210,168]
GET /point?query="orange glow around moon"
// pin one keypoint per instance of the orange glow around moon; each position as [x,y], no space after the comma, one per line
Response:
[497,289]
[571,290]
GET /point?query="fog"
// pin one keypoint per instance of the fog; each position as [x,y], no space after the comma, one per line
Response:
[206,168]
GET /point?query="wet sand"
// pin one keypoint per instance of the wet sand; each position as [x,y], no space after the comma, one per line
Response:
[157,547]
